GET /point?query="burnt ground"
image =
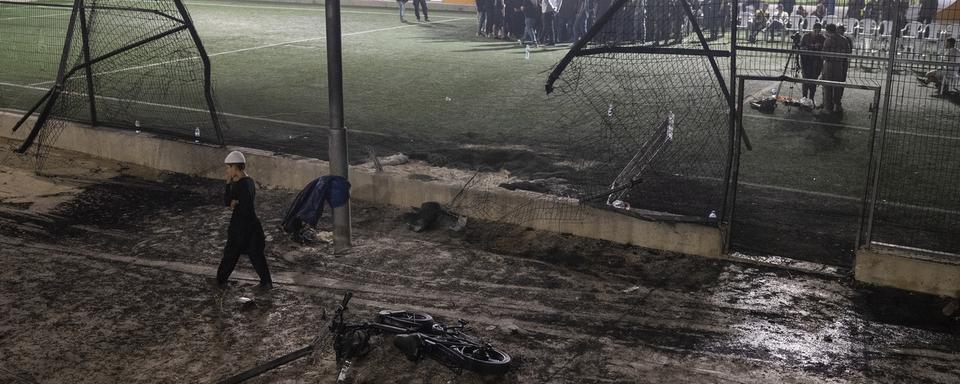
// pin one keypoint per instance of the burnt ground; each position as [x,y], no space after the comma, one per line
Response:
[109,285]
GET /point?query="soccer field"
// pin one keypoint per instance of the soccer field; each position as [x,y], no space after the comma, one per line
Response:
[440,93]
[424,83]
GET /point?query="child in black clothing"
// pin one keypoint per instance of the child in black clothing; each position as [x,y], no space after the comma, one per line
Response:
[245,234]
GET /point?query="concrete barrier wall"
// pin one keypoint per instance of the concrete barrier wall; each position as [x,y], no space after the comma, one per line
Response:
[908,270]
[392,188]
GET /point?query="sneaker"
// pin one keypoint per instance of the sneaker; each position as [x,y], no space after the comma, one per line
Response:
[427,19]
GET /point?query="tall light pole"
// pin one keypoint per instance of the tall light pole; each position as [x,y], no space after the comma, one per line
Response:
[338,134]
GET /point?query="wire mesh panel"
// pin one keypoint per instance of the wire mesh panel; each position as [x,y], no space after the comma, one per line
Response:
[918,201]
[645,71]
[32,39]
[140,60]
[901,47]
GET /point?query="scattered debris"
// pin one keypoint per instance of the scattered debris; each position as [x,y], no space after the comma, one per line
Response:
[397,159]
[246,303]
[431,213]
[952,307]
[551,185]
[374,159]
[511,329]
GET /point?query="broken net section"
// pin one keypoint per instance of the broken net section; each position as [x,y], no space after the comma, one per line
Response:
[647,111]
[136,65]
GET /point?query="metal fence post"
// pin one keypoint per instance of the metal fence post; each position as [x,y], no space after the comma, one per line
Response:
[338,134]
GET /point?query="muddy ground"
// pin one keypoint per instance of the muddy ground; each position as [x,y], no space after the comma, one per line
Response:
[103,272]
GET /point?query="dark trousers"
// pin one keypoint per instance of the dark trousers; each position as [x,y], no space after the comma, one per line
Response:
[833,96]
[579,26]
[417,4]
[482,21]
[549,28]
[564,29]
[810,71]
[231,254]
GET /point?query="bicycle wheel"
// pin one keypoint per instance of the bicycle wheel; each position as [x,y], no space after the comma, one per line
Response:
[485,360]
[412,321]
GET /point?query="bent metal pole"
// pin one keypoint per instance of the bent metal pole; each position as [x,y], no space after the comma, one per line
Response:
[338,134]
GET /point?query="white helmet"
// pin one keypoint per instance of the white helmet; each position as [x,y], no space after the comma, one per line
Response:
[235,157]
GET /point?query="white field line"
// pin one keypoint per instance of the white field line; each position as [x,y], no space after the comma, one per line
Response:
[234,115]
[34,17]
[859,128]
[261,47]
[314,9]
[833,196]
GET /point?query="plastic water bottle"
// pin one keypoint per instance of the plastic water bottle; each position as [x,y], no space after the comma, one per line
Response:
[196,135]
[526,52]
[610,111]
[712,215]
[136,125]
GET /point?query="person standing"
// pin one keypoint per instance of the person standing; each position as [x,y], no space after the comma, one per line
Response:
[842,31]
[871,10]
[417,5]
[928,9]
[811,65]
[788,6]
[483,7]
[677,16]
[495,19]
[549,21]
[834,69]
[855,9]
[711,18]
[566,14]
[531,12]
[401,4]
[245,233]
[514,18]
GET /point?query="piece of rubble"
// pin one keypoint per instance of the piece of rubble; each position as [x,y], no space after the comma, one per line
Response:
[397,159]
[246,303]
[512,329]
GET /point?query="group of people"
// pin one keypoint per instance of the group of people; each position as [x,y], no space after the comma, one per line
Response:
[417,6]
[537,21]
[879,10]
[565,21]
[832,68]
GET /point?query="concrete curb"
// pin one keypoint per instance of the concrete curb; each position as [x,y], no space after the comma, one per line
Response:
[908,270]
[395,188]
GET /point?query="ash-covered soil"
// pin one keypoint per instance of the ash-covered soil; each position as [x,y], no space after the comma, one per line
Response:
[110,285]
